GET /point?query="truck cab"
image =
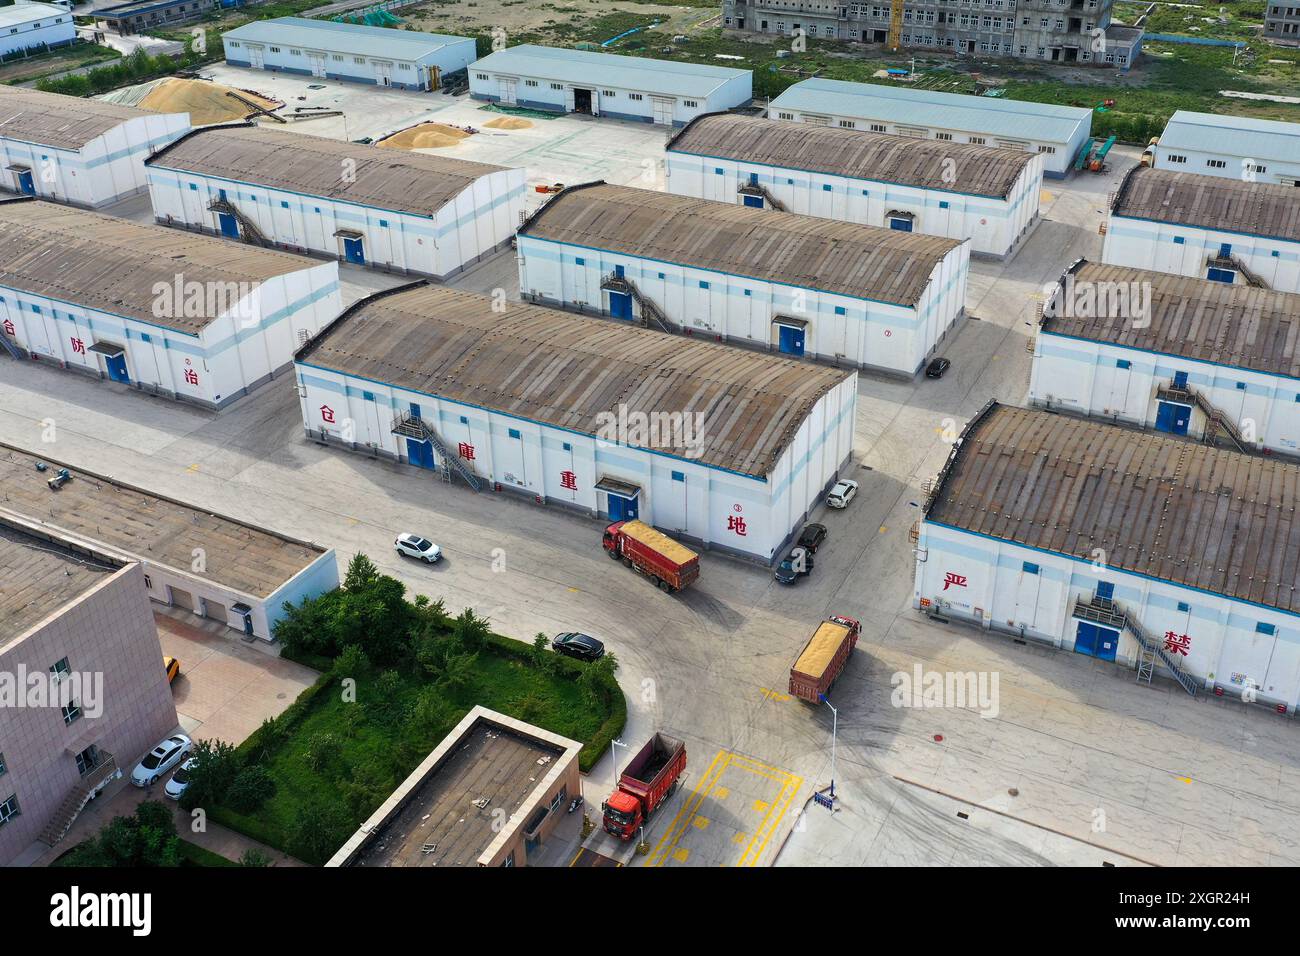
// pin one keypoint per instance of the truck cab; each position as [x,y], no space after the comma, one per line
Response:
[622,814]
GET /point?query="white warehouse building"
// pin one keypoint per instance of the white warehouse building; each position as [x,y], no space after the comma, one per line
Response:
[730,451]
[1057,132]
[1233,147]
[34,26]
[1151,551]
[387,208]
[78,151]
[987,195]
[847,294]
[190,317]
[607,84]
[1218,362]
[326,49]
[1203,226]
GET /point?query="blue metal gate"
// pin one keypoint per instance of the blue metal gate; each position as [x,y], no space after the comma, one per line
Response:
[620,305]
[791,342]
[1096,641]
[755,201]
[117,368]
[622,509]
[1221,275]
[1172,418]
[229,228]
[25,183]
[420,453]
[353,252]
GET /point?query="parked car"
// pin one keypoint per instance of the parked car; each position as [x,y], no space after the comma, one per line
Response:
[162,758]
[841,493]
[812,537]
[180,780]
[413,546]
[582,646]
[937,367]
[173,668]
[797,564]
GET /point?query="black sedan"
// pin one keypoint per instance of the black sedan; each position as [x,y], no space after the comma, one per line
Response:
[796,565]
[812,537]
[581,646]
[937,367]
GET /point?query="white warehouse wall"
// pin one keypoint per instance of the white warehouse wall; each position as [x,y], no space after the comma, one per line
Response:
[1204,162]
[993,224]
[1087,377]
[699,504]
[48,25]
[108,168]
[1001,593]
[479,220]
[868,334]
[1183,250]
[237,351]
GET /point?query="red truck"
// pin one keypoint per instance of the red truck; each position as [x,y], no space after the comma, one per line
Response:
[824,658]
[647,781]
[669,564]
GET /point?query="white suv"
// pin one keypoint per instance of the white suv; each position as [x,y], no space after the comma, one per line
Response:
[413,546]
[841,494]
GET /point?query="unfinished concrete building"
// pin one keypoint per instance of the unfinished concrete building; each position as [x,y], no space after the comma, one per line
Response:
[1065,31]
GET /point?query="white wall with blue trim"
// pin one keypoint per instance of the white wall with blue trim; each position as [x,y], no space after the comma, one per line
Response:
[1185,251]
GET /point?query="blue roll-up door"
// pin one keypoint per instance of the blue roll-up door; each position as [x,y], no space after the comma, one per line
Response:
[620,305]
[791,341]
[229,228]
[353,252]
[755,201]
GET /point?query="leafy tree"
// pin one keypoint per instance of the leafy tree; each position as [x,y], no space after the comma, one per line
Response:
[216,764]
[351,662]
[597,677]
[318,829]
[322,750]
[471,630]
[254,857]
[250,789]
[145,839]
[458,672]
[383,699]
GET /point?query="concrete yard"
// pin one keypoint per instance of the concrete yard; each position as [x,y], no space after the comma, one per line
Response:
[1074,764]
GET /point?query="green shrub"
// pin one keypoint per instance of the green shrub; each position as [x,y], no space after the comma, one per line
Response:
[215,767]
[250,789]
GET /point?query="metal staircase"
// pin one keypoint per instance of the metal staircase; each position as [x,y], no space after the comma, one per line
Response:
[1107,613]
[650,312]
[754,189]
[11,347]
[248,230]
[409,426]
[76,800]
[1216,420]
[1233,263]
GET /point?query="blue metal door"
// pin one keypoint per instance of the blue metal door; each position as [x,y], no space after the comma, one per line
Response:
[1221,275]
[1172,418]
[1225,250]
[25,183]
[1095,641]
[415,411]
[618,271]
[630,508]
[353,252]
[420,453]
[1180,379]
[755,201]
[791,340]
[902,225]
[620,305]
[616,504]
[229,228]
[117,368]
[1105,590]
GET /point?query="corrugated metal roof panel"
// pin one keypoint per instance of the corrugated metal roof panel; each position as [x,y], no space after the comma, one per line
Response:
[861,261]
[392,179]
[352,38]
[113,264]
[63,122]
[1011,119]
[1228,324]
[928,164]
[1260,139]
[1209,202]
[564,370]
[1169,508]
[667,77]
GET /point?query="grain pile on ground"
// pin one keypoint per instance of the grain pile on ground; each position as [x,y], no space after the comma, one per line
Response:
[205,102]
[425,136]
[508,122]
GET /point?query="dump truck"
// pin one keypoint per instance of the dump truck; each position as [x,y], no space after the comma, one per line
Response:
[824,658]
[670,565]
[649,779]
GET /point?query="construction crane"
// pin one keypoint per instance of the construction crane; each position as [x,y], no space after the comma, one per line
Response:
[895,24]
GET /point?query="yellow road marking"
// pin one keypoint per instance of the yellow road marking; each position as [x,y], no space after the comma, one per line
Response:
[738,838]
[681,855]
[721,793]
[760,806]
[659,855]
[795,784]
[701,823]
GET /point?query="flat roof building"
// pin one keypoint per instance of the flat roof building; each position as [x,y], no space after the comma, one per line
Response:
[666,92]
[845,293]
[191,317]
[957,190]
[1220,229]
[1155,552]
[78,617]
[1057,132]
[328,49]
[489,794]
[1177,354]
[35,27]
[79,151]
[727,448]
[391,209]
[247,573]
[139,16]
[1231,147]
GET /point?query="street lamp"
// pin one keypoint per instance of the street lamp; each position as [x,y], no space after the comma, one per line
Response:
[613,744]
[835,725]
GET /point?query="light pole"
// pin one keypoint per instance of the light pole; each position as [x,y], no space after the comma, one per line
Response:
[613,745]
[835,726]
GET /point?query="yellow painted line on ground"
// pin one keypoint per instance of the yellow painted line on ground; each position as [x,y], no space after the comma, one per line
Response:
[766,822]
[794,785]
[692,803]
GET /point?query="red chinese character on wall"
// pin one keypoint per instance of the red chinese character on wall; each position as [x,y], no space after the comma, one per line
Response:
[191,376]
[737,524]
[954,580]
[569,480]
[9,328]
[466,451]
[1177,643]
[78,346]
[326,414]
